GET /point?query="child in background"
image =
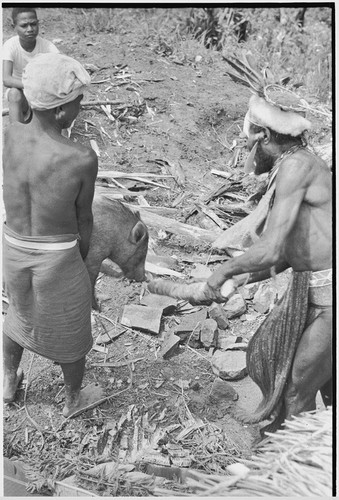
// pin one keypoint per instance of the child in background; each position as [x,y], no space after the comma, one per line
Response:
[16,53]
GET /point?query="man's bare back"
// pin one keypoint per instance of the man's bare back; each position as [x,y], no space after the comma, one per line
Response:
[43,176]
[308,245]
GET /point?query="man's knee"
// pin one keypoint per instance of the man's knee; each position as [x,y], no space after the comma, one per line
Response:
[298,398]
[15,95]
[301,385]
[292,391]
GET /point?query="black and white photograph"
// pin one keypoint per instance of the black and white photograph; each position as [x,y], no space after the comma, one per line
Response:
[167,241]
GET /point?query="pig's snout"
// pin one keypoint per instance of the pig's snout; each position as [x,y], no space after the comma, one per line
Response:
[136,274]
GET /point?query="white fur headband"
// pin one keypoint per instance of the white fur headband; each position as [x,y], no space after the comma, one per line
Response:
[264,114]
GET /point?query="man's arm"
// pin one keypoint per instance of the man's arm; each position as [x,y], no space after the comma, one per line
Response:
[7,78]
[268,273]
[83,203]
[291,185]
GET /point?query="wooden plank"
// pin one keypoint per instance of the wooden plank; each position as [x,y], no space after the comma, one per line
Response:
[164,211]
[172,226]
[122,175]
[128,175]
[162,271]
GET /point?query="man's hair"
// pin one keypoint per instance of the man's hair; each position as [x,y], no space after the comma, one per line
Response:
[278,138]
[17,11]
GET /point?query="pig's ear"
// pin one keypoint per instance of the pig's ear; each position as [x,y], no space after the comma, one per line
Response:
[137,233]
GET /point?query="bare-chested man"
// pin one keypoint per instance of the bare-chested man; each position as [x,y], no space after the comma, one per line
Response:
[298,235]
[48,192]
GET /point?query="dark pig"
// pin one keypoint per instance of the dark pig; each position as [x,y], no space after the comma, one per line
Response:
[118,234]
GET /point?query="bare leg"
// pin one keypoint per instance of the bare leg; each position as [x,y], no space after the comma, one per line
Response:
[312,365]
[73,375]
[12,353]
[77,400]
[327,393]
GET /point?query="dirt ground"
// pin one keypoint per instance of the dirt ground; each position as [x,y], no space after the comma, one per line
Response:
[180,107]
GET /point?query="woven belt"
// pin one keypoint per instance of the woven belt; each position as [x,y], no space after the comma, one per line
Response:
[321,278]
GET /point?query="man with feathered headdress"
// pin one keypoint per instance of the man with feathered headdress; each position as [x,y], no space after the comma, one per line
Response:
[289,357]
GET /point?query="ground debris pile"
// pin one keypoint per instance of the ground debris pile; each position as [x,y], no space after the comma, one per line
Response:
[294,461]
[135,455]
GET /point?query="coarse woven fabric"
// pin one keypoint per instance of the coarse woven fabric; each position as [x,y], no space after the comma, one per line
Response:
[271,350]
[49,295]
[51,80]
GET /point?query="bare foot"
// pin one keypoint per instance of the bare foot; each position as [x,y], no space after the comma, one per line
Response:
[11,385]
[88,398]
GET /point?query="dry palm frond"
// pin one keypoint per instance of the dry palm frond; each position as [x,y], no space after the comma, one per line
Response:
[262,83]
[295,461]
[247,75]
[265,85]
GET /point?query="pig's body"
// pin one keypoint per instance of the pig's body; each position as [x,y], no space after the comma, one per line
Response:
[118,234]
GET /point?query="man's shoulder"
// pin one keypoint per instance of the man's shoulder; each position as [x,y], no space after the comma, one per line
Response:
[301,161]
[294,171]
[83,156]
[82,150]
[300,170]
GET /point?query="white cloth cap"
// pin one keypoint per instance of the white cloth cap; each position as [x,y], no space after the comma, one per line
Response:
[51,80]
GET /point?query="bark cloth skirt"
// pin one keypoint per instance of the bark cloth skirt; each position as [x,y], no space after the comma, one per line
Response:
[49,293]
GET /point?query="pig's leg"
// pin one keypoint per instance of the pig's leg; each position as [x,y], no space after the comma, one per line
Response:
[312,365]
[93,268]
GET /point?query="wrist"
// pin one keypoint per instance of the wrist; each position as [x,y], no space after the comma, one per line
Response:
[215,281]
